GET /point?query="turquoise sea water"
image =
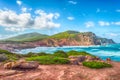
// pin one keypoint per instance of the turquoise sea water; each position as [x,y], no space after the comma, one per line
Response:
[111,51]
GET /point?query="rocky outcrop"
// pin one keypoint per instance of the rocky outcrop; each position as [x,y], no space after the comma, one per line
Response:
[63,72]
[21,64]
[77,60]
[68,38]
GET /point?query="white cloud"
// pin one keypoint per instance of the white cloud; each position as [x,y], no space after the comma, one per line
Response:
[103,23]
[70,18]
[12,21]
[89,24]
[5,36]
[118,10]
[19,2]
[30,9]
[24,9]
[113,34]
[72,2]
[116,23]
[98,10]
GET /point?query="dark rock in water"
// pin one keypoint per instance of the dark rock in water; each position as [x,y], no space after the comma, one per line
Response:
[29,65]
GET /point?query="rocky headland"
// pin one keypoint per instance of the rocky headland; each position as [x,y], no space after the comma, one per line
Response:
[67,38]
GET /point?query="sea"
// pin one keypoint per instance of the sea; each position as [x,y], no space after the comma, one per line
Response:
[102,51]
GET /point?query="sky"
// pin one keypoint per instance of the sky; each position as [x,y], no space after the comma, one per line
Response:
[101,17]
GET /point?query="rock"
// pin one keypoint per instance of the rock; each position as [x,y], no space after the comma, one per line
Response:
[3,57]
[29,65]
[89,58]
[8,73]
[108,59]
[75,60]
[21,64]
[10,65]
[81,58]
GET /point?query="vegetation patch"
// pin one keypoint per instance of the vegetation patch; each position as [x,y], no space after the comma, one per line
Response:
[76,53]
[96,65]
[49,60]
[6,55]
[60,53]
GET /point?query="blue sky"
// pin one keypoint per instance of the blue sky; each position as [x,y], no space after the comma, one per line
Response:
[52,16]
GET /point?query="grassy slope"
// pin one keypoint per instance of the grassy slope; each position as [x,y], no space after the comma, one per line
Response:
[66,34]
[27,37]
[63,35]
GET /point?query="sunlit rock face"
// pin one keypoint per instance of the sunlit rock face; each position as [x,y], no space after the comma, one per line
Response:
[67,38]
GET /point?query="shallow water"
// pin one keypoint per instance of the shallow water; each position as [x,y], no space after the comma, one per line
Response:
[111,51]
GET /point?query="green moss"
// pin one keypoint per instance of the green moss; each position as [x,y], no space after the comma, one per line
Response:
[10,55]
[96,65]
[49,60]
[76,53]
[60,53]
[66,34]
[32,54]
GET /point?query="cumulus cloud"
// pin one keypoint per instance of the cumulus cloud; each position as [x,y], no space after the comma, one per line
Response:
[89,24]
[113,34]
[72,2]
[70,18]
[24,9]
[103,23]
[19,2]
[20,22]
[118,10]
[116,23]
[5,36]
[98,10]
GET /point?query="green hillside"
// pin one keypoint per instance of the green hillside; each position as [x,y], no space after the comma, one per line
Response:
[66,34]
[27,37]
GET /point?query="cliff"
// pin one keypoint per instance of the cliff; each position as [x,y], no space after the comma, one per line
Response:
[67,38]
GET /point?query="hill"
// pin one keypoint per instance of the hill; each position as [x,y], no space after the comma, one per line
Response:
[27,37]
[67,38]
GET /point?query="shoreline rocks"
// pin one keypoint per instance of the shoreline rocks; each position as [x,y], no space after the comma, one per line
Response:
[21,64]
[76,60]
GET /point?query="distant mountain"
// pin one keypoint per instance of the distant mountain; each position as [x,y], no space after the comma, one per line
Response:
[27,37]
[66,34]
[67,38]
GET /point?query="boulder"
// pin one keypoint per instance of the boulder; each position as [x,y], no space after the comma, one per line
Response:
[8,73]
[29,65]
[10,65]
[75,60]
[89,58]
[108,59]
[3,57]
[21,64]
[81,58]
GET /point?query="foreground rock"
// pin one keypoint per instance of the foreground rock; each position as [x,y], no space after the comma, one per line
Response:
[21,64]
[28,65]
[66,72]
[77,60]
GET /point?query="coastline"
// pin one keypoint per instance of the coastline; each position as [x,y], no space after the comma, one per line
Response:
[65,72]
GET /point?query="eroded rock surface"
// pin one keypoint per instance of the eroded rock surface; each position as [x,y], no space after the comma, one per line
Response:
[65,72]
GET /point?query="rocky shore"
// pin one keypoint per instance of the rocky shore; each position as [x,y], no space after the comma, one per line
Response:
[62,72]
